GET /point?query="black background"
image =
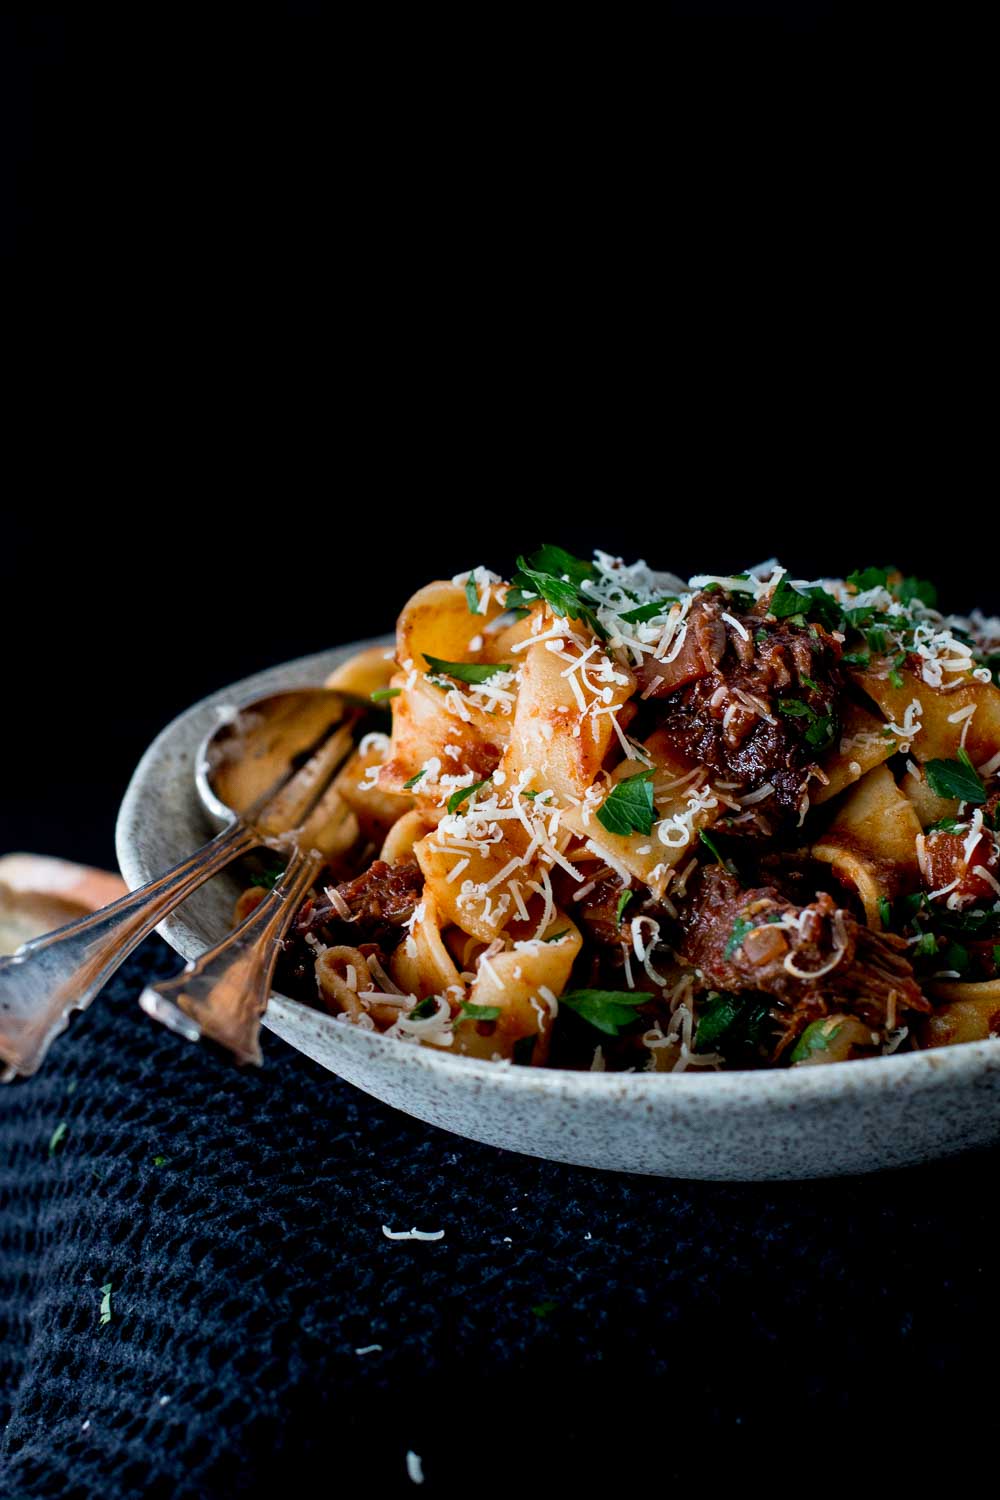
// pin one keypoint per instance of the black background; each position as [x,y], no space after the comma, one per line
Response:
[299,316]
[302,317]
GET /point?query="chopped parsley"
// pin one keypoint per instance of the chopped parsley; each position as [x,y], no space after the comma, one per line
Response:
[713,848]
[903,589]
[877,640]
[925,946]
[794,708]
[542,1309]
[464,793]
[555,576]
[470,1012]
[820,729]
[908,906]
[608,1010]
[915,588]
[955,956]
[946,825]
[57,1138]
[787,601]
[650,611]
[975,924]
[824,608]
[408,785]
[736,585]
[859,619]
[424,1010]
[559,563]
[556,936]
[737,1020]
[381,693]
[797,606]
[996,955]
[740,929]
[856,659]
[623,901]
[956,778]
[268,878]
[816,1038]
[628,808]
[868,578]
[161,1161]
[885,911]
[106,1290]
[472,595]
[466,671]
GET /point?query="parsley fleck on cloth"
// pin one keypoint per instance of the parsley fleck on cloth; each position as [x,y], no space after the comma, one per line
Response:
[209,1287]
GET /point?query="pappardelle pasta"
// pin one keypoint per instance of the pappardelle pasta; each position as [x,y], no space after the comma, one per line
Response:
[624,822]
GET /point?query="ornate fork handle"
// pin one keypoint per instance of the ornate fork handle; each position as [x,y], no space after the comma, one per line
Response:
[51,976]
[225,991]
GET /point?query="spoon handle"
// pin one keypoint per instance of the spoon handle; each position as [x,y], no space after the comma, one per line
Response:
[62,971]
[225,991]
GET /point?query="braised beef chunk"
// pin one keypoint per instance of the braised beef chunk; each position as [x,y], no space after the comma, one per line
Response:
[602,960]
[700,652]
[381,901]
[756,699]
[597,911]
[810,958]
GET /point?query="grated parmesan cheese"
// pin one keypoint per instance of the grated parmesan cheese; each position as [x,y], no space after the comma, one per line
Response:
[412,1234]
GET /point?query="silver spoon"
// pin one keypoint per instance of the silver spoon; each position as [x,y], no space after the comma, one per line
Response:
[256,760]
[223,994]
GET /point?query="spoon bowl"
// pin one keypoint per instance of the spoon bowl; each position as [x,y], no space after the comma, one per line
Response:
[250,748]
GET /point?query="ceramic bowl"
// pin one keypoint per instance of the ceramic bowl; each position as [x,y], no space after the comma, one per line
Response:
[806,1122]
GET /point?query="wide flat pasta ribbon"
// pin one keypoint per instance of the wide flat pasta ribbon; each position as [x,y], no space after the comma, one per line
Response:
[871,843]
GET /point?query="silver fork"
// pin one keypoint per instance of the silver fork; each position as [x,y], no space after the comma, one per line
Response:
[223,994]
[63,971]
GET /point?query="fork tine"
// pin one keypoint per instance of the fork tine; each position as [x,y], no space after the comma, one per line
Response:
[296,799]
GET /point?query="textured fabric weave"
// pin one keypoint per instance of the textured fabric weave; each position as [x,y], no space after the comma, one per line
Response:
[572,1326]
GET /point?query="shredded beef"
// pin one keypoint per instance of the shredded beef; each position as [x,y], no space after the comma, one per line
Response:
[740,941]
[701,649]
[381,901]
[718,699]
[602,958]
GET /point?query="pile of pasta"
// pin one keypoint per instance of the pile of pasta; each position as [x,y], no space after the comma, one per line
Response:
[511,709]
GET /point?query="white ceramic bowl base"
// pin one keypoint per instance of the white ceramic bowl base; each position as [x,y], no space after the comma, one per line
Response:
[808,1122]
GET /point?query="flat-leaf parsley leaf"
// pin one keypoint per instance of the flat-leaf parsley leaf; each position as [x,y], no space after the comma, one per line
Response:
[607,1010]
[956,778]
[466,671]
[628,808]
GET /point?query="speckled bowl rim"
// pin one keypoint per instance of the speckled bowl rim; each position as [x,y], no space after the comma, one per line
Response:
[782,1089]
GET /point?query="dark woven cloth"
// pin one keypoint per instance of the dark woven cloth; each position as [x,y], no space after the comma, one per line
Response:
[573,1328]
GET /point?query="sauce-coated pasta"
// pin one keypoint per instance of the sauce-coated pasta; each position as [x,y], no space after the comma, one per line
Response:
[623,822]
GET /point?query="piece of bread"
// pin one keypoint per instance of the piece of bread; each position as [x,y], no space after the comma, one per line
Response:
[38,893]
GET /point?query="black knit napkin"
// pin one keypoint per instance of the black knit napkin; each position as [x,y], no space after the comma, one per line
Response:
[572,1328]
